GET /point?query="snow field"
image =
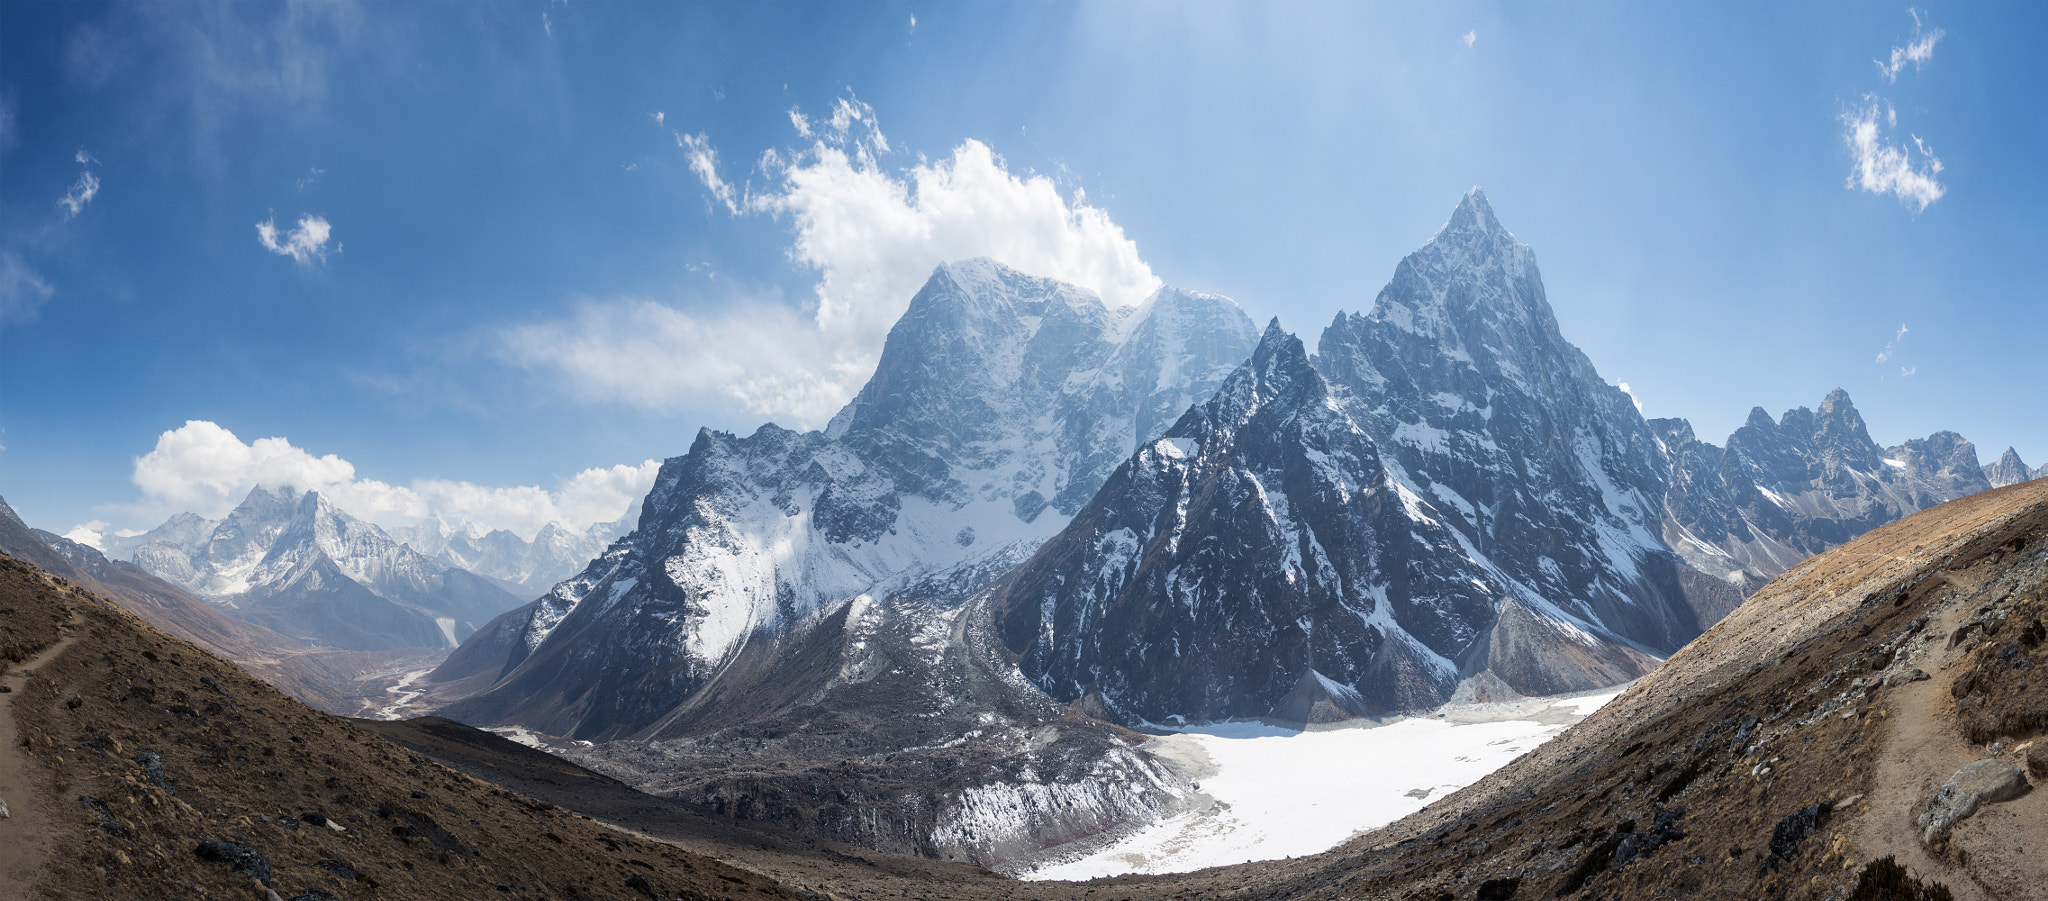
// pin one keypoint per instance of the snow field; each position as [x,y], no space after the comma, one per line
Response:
[1281,793]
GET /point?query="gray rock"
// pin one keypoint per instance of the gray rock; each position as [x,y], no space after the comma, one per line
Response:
[238,857]
[1904,677]
[3,810]
[1973,786]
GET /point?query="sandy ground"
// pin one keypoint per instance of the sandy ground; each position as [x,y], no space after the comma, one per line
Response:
[1268,793]
[25,833]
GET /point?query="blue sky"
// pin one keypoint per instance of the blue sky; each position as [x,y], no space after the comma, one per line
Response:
[517,250]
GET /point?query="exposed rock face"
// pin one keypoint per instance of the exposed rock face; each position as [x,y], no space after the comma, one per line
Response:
[1449,490]
[2009,470]
[295,563]
[1248,546]
[1972,787]
[1000,404]
[1507,431]
[1786,489]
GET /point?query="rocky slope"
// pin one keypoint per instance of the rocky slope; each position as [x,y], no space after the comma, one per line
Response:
[295,563]
[1785,489]
[1448,495]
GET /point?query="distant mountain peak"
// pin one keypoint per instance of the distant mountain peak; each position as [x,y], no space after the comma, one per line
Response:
[1473,216]
[1472,285]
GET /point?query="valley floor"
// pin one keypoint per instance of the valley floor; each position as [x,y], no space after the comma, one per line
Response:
[1272,792]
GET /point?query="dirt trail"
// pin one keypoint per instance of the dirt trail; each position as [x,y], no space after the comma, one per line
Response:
[24,833]
[1923,749]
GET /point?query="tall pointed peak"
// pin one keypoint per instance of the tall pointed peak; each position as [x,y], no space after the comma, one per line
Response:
[1760,418]
[1276,341]
[1472,217]
[1837,399]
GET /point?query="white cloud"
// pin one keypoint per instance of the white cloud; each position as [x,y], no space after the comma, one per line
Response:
[704,161]
[801,122]
[1907,372]
[873,235]
[22,289]
[206,469]
[305,243]
[1469,38]
[1918,50]
[913,23]
[763,357]
[312,175]
[1885,355]
[83,190]
[1881,167]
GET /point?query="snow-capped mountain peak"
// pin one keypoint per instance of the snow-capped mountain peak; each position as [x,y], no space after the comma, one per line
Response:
[999,405]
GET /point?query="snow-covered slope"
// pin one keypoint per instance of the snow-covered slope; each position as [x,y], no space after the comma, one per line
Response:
[1001,402]
[294,562]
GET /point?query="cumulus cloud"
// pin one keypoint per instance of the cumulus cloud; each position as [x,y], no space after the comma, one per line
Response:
[1882,167]
[206,469]
[872,234]
[304,243]
[1880,164]
[22,289]
[83,190]
[1918,50]
[1469,38]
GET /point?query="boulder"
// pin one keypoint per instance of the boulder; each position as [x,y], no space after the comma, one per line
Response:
[238,857]
[1795,828]
[1972,787]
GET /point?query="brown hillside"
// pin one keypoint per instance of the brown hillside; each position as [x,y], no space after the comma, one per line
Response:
[138,747]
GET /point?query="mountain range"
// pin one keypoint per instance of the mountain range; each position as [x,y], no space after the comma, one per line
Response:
[294,562]
[923,627]
[1866,727]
